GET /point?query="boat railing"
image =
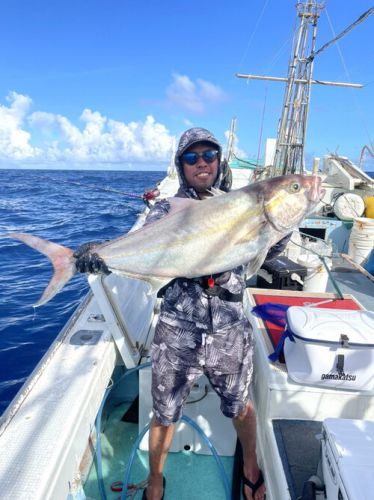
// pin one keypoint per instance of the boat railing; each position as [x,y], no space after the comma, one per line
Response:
[128,310]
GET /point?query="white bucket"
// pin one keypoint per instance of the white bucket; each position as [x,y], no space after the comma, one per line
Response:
[317,276]
[361,239]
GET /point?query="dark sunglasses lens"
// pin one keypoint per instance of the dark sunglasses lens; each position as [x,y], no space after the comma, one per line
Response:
[209,156]
[190,158]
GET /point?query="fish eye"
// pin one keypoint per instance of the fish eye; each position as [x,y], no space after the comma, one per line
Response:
[295,187]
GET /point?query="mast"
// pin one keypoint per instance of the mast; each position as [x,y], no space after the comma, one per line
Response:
[289,151]
[231,140]
[291,135]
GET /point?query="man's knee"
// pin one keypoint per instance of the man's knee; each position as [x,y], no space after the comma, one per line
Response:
[248,413]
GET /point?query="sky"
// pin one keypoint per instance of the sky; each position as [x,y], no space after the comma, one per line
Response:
[112,84]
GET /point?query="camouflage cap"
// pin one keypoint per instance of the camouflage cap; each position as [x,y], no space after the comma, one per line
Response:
[193,136]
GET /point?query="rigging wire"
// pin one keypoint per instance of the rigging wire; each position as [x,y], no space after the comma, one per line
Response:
[359,111]
[277,55]
[362,18]
[253,32]
[261,127]
[338,48]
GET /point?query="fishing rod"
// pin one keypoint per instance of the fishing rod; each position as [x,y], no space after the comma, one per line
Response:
[147,196]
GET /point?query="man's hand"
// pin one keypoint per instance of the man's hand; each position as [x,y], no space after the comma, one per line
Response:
[87,261]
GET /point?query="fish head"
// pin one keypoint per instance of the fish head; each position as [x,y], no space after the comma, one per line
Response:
[289,198]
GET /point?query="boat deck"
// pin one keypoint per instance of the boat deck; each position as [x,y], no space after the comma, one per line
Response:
[201,477]
[298,465]
[353,279]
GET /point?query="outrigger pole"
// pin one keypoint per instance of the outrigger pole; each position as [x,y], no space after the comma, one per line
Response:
[284,79]
[290,143]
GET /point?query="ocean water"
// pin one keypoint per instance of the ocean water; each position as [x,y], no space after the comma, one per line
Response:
[69,208]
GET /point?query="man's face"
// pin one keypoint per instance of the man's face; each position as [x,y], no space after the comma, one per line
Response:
[202,174]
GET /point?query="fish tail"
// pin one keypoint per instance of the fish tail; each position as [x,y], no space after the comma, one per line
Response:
[62,260]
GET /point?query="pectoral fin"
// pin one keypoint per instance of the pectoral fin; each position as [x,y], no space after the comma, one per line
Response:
[254,264]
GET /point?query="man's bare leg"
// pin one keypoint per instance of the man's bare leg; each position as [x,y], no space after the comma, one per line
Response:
[160,437]
[245,425]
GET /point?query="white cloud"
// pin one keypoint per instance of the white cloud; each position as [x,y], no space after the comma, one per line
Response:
[40,137]
[99,139]
[14,140]
[106,140]
[210,91]
[194,97]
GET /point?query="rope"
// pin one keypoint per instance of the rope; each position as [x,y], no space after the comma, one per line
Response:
[245,161]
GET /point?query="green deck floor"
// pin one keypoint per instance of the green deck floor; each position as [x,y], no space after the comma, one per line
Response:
[189,476]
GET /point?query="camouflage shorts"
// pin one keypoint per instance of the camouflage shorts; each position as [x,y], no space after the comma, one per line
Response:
[180,357]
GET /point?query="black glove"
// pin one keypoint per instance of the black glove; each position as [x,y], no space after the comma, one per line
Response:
[89,262]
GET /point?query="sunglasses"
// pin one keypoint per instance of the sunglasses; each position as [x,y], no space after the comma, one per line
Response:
[191,158]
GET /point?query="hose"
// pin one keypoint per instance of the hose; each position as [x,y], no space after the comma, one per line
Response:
[188,420]
[99,464]
[214,452]
[205,438]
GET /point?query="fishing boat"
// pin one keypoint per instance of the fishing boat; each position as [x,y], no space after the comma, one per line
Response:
[77,429]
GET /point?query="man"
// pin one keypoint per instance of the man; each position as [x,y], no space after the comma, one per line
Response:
[202,328]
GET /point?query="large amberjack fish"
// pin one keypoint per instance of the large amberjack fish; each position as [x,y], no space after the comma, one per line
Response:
[197,238]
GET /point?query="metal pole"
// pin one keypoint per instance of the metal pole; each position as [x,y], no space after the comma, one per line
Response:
[298,80]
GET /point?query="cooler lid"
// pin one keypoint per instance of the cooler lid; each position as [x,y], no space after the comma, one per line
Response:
[352,445]
[328,325]
[351,442]
[358,481]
